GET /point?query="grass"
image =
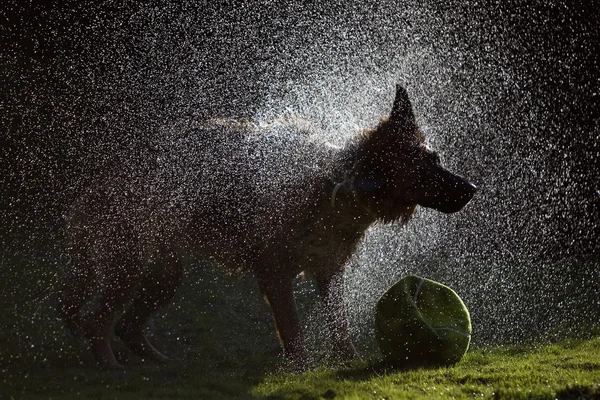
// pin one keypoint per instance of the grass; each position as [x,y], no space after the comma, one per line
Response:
[567,370]
[220,335]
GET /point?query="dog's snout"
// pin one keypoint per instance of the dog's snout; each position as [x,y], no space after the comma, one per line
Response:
[453,194]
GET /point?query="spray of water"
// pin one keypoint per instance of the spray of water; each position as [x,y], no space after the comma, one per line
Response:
[501,98]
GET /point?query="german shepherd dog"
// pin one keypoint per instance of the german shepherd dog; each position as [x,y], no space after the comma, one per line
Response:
[250,201]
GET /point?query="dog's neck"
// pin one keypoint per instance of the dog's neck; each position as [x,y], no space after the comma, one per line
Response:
[347,186]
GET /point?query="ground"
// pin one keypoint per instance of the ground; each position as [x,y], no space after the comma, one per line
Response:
[220,335]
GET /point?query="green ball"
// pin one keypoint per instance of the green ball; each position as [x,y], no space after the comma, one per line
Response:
[422,322]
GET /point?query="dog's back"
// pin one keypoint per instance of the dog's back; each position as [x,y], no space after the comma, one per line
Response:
[224,185]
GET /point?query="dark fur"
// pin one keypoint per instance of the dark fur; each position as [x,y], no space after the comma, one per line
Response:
[249,199]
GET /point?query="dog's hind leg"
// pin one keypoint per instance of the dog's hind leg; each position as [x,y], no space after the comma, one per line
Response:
[156,291]
[77,289]
[120,280]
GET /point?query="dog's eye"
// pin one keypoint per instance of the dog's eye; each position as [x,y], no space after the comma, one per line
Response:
[436,158]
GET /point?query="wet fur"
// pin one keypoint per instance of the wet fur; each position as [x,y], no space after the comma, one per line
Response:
[218,187]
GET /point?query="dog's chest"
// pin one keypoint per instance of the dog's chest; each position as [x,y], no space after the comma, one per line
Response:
[328,243]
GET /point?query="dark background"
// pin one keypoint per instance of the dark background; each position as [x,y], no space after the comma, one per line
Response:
[84,83]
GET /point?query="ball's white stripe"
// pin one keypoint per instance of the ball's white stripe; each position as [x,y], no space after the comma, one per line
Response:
[418,292]
[452,330]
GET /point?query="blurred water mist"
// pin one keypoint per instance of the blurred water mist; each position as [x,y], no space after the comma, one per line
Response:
[505,92]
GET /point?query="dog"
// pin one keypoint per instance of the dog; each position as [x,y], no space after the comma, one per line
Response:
[251,201]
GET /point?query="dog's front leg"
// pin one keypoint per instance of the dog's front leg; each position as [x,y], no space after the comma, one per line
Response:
[278,293]
[331,290]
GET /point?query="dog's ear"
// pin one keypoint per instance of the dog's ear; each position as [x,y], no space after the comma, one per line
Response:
[402,112]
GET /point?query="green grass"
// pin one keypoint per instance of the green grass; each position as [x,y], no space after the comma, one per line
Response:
[220,334]
[569,370]
[566,370]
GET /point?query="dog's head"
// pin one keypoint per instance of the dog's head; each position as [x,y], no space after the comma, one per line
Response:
[395,171]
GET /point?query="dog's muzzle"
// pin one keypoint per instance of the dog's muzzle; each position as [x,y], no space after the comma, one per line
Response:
[447,192]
